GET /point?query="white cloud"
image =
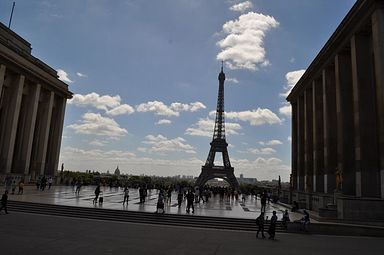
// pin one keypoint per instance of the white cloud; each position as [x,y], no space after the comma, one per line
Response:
[97,154]
[242,7]
[164,122]
[271,142]
[243,47]
[63,76]
[95,124]
[233,80]
[120,110]
[262,151]
[159,108]
[289,139]
[292,78]
[81,75]
[99,143]
[255,117]
[286,110]
[161,144]
[204,127]
[95,100]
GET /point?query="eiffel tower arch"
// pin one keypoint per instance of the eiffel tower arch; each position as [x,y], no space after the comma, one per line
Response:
[218,145]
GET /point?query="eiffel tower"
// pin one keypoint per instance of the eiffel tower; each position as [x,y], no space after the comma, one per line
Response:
[218,144]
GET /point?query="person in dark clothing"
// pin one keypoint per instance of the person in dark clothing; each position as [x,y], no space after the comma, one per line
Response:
[263,201]
[260,225]
[179,198]
[97,193]
[272,226]
[4,201]
[190,199]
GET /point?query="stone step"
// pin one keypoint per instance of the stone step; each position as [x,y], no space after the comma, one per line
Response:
[139,217]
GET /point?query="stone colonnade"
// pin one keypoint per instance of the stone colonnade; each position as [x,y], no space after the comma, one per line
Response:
[338,111]
[32,107]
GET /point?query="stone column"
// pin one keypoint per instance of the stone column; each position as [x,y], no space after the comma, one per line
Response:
[294,143]
[318,136]
[2,76]
[308,137]
[13,111]
[378,53]
[330,128]
[345,122]
[364,99]
[30,127]
[300,143]
[43,138]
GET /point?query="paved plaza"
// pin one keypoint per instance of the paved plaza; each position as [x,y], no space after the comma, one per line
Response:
[23,233]
[113,199]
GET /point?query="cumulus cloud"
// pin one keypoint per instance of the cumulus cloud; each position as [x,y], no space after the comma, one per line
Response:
[204,127]
[271,143]
[120,110]
[95,124]
[81,75]
[286,110]
[63,76]
[97,142]
[243,46]
[161,109]
[95,100]
[242,7]
[255,117]
[97,154]
[163,122]
[161,144]
[233,80]
[292,78]
[289,139]
[262,151]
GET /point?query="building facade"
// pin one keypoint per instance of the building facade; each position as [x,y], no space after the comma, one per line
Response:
[32,107]
[338,121]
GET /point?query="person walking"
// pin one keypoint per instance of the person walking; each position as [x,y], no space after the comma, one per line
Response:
[13,187]
[126,195]
[263,201]
[190,200]
[285,219]
[272,226]
[179,198]
[21,188]
[4,201]
[97,193]
[50,181]
[260,225]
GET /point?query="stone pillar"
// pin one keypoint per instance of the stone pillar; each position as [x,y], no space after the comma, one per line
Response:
[55,136]
[44,134]
[378,53]
[300,143]
[294,144]
[2,76]
[345,122]
[329,128]
[364,99]
[12,117]
[308,137]
[30,127]
[318,136]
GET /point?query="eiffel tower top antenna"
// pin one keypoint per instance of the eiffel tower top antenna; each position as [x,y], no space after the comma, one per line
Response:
[222,63]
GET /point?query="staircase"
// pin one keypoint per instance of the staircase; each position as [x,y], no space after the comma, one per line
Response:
[140,217]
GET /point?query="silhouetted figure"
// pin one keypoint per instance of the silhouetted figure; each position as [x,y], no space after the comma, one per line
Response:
[190,199]
[50,181]
[21,188]
[305,221]
[260,225]
[272,226]
[263,201]
[97,193]
[43,183]
[13,187]
[126,195]
[4,201]
[179,199]
[160,203]
[285,218]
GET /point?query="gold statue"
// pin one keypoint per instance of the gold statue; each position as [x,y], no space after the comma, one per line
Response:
[339,179]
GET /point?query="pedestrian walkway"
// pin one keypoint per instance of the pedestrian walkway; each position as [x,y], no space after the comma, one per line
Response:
[113,199]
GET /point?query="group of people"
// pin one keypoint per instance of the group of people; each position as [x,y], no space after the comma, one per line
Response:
[41,183]
[260,222]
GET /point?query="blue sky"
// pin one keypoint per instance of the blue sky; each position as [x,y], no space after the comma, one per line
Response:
[144,77]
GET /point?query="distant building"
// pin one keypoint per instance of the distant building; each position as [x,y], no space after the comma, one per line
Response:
[117,171]
[338,121]
[32,107]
